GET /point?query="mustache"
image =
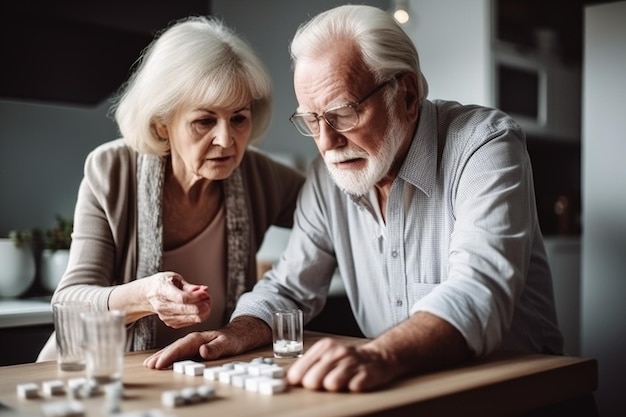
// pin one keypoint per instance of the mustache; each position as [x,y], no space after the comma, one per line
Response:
[335,156]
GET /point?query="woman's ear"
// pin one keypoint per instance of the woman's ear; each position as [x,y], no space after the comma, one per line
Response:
[162,130]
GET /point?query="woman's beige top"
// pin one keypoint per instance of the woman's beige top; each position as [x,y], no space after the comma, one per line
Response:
[200,261]
[118,227]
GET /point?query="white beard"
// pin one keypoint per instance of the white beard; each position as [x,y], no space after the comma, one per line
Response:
[360,181]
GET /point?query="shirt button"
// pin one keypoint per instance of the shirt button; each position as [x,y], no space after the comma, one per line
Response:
[399,303]
[394,254]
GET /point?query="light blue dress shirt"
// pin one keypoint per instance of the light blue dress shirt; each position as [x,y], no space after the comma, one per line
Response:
[461,240]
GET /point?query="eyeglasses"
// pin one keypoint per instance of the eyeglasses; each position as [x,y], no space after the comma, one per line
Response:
[341,118]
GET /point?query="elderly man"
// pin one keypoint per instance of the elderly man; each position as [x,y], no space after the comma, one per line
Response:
[426,208]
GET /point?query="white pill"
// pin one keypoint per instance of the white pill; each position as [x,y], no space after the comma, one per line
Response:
[273,371]
[179,367]
[53,387]
[172,398]
[226,377]
[272,386]
[252,384]
[194,369]
[27,390]
[206,392]
[212,373]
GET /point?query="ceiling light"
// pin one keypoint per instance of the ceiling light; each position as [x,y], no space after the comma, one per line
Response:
[401,11]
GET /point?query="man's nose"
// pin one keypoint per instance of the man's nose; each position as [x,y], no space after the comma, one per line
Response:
[328,138]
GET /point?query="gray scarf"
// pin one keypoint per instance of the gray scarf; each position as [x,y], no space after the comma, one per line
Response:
[150,180]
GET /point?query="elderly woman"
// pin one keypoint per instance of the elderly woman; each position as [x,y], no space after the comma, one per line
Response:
[168,219]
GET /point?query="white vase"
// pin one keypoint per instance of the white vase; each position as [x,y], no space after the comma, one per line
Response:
[52,267]
[17,268]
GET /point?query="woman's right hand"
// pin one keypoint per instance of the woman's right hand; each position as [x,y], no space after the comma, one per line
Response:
[177,302]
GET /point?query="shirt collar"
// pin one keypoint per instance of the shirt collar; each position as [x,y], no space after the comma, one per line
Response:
[420,165]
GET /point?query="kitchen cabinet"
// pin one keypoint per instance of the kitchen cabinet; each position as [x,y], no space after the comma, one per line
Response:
[564,254]
[337,304]
[518,55]
[25,326]
[538,90]
[22,344]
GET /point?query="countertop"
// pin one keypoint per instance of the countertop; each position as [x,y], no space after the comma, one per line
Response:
[17,312]
[488,386]
[36,311]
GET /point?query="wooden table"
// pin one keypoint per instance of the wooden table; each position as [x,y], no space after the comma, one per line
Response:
[505,383]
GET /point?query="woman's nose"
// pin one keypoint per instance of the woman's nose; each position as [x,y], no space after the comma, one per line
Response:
[222,135]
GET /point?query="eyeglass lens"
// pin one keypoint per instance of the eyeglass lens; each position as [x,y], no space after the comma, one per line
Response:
[341,119]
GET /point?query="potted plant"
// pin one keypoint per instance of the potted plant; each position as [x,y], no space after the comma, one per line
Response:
[55,252]
[18,267]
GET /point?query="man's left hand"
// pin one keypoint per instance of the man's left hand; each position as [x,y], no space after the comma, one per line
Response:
[332,366]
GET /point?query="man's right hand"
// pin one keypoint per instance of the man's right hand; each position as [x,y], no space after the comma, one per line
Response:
[240,335]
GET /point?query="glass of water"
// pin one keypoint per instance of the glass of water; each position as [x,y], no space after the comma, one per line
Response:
[104,335]
[287,333]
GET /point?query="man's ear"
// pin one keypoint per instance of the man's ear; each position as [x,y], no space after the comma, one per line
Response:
[409,89]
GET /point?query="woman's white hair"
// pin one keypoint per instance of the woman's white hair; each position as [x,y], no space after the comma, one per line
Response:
[196,61]
[385,47]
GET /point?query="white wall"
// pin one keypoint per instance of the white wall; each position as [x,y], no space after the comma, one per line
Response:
[42,150]
[453,38]
[269,26]
[43,146]
[604,199]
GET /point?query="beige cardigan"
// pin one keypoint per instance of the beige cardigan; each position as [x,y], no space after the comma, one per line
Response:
[118,229]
